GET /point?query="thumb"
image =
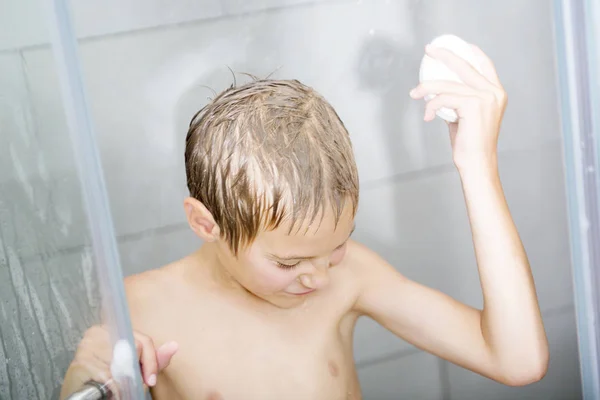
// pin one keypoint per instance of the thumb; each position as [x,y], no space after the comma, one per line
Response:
[165,353]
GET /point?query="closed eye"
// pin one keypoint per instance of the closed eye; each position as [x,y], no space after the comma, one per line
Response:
[287,266]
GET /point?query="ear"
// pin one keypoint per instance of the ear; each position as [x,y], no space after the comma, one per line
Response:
[201,220]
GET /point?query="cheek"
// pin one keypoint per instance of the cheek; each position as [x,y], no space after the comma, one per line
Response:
[268,276]
[337,256]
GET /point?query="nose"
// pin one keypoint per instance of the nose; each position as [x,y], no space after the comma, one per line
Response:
[319,277]
[317,280]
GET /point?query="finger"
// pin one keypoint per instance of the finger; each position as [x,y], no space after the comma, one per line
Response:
[439,87]
[147,357]
[487,66]
[165,353]
[462,68]
[451,101]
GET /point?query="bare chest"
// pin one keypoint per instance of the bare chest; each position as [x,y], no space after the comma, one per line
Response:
[240,356]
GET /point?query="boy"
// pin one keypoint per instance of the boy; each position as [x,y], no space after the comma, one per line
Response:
[265,309]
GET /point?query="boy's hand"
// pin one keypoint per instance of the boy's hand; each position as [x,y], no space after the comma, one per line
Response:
[479,102]
[94,355]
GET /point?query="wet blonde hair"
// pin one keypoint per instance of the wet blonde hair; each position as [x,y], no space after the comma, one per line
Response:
[267,152]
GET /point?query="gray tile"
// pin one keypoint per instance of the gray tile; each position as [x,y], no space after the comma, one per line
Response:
[25,23]
[156,249]
[116,16]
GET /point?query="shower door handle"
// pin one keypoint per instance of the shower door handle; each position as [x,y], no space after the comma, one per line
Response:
[92,390]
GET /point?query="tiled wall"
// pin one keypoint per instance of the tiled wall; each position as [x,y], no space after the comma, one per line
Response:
[147,65]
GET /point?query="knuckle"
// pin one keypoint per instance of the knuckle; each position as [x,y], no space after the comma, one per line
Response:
[502,96]
[432,106]
[439,99]
[148,341]
[499,94]
[489,98]
[144,342]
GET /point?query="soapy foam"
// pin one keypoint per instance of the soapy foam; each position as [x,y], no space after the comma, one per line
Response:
[122,361]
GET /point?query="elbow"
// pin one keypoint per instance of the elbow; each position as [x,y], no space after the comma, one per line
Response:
[525,374]
[524,378]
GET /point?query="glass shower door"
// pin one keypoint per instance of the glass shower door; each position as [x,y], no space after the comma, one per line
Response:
[58,266]
[579,62]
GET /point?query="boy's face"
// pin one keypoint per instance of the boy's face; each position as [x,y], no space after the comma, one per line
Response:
[284,268]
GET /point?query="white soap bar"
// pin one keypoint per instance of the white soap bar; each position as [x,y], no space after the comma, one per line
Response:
[434,70]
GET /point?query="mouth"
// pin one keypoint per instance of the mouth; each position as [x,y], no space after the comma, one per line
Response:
[303,293]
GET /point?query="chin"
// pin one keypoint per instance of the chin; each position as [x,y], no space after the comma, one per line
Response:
[285,301]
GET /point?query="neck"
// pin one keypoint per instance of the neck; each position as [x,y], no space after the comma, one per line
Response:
[209,257]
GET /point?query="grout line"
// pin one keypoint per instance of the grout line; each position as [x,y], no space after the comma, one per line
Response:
[172,228]
[407,176]
[558,310]
[444,371]
[128,237]
[280,7]
[449,167]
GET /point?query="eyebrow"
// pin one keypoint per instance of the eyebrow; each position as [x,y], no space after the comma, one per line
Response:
[292,257]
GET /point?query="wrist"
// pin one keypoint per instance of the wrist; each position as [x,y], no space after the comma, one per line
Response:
[479,175]
[481,183]
[480,165]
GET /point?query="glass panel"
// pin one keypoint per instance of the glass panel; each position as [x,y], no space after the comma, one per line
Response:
[577,29]
[49,263]
[48,289]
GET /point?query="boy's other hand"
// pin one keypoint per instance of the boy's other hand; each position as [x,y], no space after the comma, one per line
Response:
[94,355]
[479,102]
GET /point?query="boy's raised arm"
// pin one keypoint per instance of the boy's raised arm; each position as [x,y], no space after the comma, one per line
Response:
[506,340]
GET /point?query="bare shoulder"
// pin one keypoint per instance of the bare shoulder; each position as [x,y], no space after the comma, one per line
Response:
[152,294]
[149,286]
[372,275]
[364,263]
